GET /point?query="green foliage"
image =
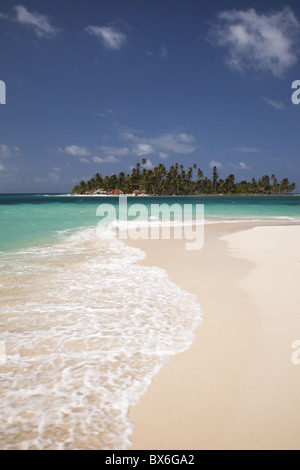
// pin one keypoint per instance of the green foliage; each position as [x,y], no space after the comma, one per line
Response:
[178,181]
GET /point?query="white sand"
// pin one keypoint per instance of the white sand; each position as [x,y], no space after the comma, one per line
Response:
[236,387]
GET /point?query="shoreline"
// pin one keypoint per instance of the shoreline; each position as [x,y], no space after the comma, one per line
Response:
[180,195]
[236,387]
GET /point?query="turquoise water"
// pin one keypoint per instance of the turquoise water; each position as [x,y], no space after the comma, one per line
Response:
[30,220]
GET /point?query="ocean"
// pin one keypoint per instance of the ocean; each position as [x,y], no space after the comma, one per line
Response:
[85,328]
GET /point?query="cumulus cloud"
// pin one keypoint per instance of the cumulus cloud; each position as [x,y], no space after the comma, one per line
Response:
[40,23]
[263,41]
[243,166]
[275,104]
[104,154]
[111,37]
[126,135]
[78,151]
[148,164]
[217,164]
[9,152]
[143,149]
[239,166]
[174,142]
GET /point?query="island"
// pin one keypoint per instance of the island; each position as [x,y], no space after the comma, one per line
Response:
[177,181]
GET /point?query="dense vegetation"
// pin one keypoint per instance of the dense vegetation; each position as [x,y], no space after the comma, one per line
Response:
[178,181]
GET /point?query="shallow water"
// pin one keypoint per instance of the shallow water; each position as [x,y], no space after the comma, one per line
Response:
[85,330]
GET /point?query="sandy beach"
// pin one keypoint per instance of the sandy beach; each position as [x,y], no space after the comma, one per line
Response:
[236,387]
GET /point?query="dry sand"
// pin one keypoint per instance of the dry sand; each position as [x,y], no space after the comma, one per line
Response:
[236,387]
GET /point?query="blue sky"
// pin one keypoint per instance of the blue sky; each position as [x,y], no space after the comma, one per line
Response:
[95,86]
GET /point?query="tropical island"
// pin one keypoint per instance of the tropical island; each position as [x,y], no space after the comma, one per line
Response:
[177,181]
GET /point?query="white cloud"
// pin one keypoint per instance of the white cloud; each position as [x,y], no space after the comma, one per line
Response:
[143,149]
[239,166]
[217,164]
[174,142]
[128,136]
[108,159]
[163,155]
[106,154]
[40,23]
[275,104]
[76,150]
[110,37]
[148,165]
[1,167]
[243,166]
[247,150]
[263,41]
[187,138]
[9,152]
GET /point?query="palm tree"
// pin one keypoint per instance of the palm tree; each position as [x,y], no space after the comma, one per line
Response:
[275,185]
[284,185]
[189,176]
[121,181]
[266,185]
[229,184]
[200,174]
[215,178]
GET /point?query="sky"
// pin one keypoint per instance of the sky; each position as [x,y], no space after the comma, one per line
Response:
[96,86]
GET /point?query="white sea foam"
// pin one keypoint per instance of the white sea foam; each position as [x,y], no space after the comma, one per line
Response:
[85,330]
